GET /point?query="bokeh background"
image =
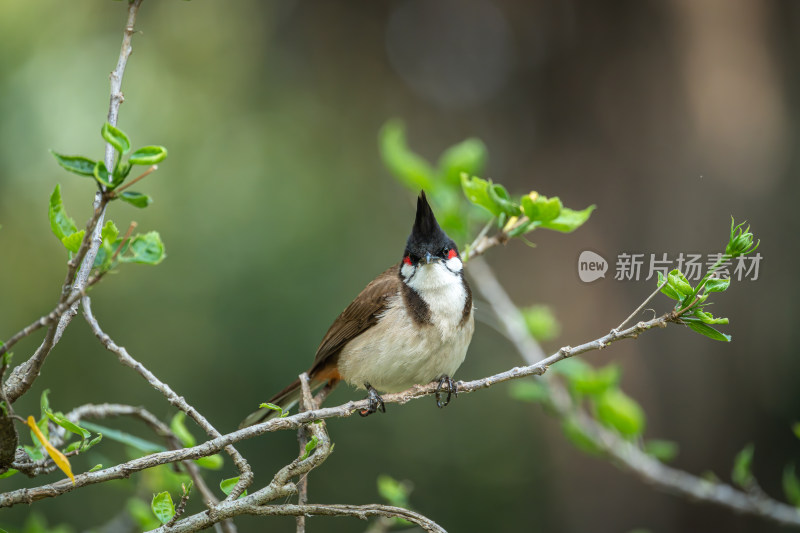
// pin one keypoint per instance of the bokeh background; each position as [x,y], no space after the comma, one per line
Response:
[276,210]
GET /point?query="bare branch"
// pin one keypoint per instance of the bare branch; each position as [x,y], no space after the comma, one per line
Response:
[362,512]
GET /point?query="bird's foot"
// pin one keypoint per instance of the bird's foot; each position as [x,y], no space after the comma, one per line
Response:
[452,388]
[375,402]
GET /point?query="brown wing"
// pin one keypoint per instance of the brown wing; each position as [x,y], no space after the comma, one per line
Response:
[359,315]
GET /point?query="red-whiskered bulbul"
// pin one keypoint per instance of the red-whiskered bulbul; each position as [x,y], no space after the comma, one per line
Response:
[411,325]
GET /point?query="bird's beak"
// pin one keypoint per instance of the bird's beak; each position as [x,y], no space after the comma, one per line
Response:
[429,258]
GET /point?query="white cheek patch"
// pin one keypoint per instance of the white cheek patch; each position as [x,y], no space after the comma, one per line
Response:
[407,270]
[454,264]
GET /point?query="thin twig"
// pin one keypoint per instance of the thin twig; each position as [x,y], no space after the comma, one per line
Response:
[127,236]
[142,176]
[643,304]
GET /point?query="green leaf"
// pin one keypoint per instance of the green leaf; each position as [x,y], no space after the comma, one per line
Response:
[82,445]
[708,318]
[148,155]
[796,429]
[121,172]
[267,405]
[101,175]
[61,224]
[73,242]
[791,486]
[310,446]
[740,243]
[524,228]
[226,485]
[212,462]
[541,322]
[619,411]
[178,427]
[533,390]
[575,434]
[163,507]
[34,452]
[96,467]
[70,426]
[707,330]
[83,166]
[666,289]
[142,445]
[44,402]
[145,249]
[663,450]
[679,283]
[406,166]
[477,191]
[569,220]
[468,156]
[541,208]
[8,473]
[499,195]
[92,443]
[394,492]
[116,138]
[742,474]
[572,368]
[136,199]
[597,381]
[717,285]
[109,233]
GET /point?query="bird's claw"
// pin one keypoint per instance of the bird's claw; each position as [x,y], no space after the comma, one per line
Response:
[452,388]
[375,402]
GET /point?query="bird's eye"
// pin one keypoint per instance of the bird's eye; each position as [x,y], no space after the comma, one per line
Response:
[451,253]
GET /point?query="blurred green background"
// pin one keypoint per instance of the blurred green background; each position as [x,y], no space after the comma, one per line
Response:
[276,210]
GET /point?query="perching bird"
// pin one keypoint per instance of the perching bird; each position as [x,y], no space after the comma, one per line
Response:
[411,325]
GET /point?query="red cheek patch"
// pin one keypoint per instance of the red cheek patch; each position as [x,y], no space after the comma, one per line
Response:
[407,260]
[451,254]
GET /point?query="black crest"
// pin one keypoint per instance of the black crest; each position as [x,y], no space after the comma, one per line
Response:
[426,235]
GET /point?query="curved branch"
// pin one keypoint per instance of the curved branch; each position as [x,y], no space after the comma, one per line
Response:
[245,473]
[362,512]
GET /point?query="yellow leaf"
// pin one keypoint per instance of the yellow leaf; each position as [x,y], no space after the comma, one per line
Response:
[59,458]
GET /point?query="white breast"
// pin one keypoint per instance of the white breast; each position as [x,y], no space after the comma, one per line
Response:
[397,353]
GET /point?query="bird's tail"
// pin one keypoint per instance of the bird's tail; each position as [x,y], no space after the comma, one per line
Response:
[285,399]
